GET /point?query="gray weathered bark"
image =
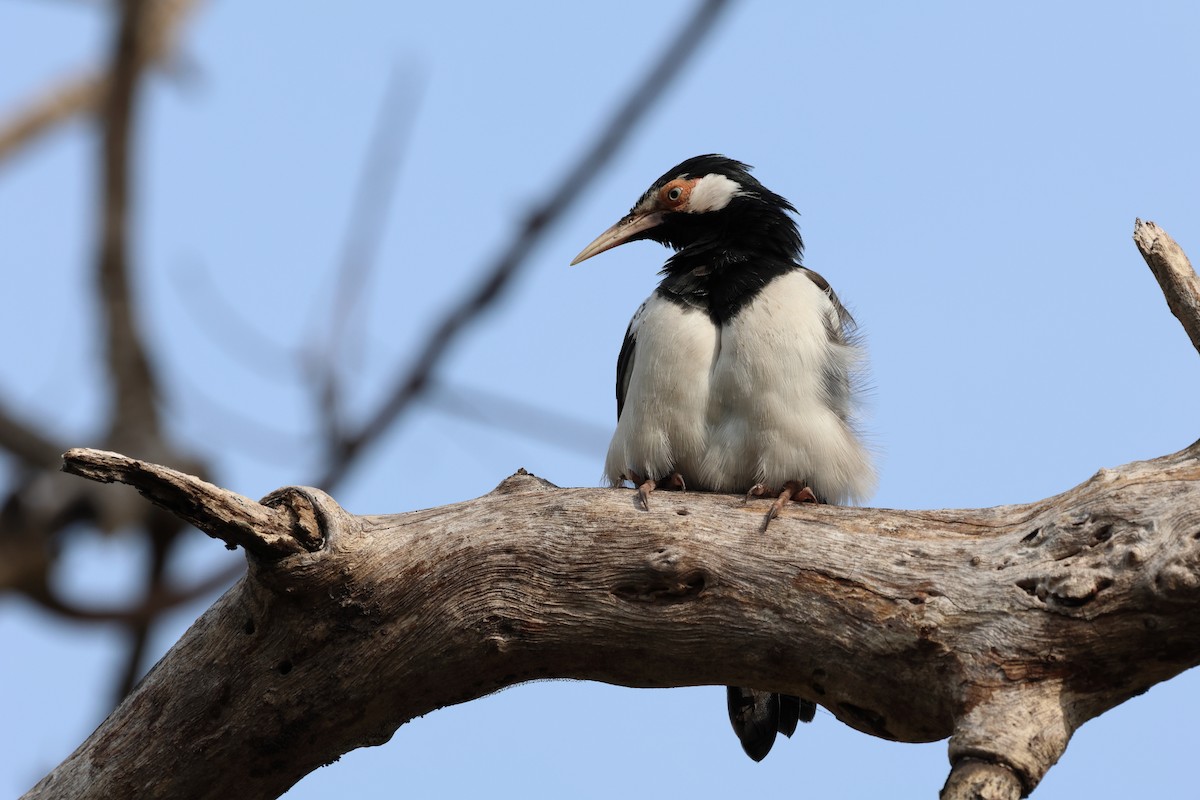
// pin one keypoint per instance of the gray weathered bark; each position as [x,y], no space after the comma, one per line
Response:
[1017,623]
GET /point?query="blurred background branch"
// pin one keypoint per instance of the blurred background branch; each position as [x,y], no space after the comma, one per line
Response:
[41,506]
[412,380]
[72,97]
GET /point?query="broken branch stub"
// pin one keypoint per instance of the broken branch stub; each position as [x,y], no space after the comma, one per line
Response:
[1173,271]
[285,523]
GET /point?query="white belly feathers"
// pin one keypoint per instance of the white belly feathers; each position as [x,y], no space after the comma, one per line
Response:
[763,399]
[663,426]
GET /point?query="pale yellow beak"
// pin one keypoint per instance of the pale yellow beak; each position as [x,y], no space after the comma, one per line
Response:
[628,227]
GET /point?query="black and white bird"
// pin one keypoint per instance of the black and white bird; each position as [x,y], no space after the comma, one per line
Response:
[737,373]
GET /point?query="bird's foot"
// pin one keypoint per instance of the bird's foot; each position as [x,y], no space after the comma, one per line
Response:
[757,490]
[793,491]
[673,482]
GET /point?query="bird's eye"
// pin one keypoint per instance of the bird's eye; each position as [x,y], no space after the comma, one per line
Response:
[675,194]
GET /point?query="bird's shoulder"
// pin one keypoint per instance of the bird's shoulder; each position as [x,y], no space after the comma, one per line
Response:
[845,322]
[741,281]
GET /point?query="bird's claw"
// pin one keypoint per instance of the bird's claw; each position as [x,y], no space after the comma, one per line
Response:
[757,490]
[793,491]
[673,482]
[644,490]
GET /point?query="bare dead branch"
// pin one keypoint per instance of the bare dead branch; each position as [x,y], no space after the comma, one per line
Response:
[268,529]
[1174,273]
[414,380]
[978,780]
[1003,628]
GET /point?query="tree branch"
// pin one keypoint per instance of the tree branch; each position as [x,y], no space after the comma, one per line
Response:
[279,526]
[1174,273]
[1017,623]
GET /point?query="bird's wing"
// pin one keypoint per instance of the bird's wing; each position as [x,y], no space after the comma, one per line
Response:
[625,359]
[840,376]
[843,331]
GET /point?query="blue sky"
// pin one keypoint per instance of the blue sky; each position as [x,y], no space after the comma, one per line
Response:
[968,177]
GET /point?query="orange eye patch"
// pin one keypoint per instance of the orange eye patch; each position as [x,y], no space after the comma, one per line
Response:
[676,193]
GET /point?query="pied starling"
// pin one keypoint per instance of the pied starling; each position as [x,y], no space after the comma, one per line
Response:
[736,374]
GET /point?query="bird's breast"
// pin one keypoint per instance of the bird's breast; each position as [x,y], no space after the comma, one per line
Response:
[662,427]
[778,395]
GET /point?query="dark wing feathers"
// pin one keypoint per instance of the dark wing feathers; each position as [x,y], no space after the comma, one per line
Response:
[625,359]
[625,367]
[839,382]
[846,322]
[755,719]
[757,716]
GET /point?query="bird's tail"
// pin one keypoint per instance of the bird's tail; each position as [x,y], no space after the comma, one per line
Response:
[757,716]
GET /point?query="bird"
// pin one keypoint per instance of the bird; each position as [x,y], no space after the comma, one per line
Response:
[739,373]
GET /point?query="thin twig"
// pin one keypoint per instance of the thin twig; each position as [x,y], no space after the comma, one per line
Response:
[230,428]
[239,335]
[51,108]
[150,607]
[372,199]
[161,530]
[135,413]
[25,442]
[414,380]
[500,412]
[85,94]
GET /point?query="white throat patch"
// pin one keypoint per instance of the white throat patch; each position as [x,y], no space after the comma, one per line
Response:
[712,193]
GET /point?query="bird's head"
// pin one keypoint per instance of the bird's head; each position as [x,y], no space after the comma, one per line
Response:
[707,203]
